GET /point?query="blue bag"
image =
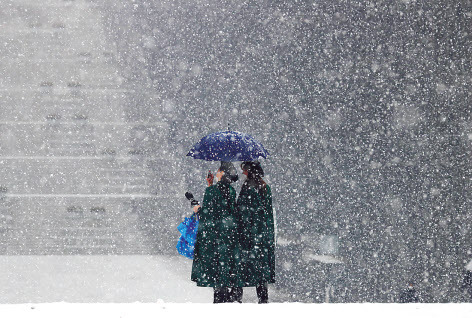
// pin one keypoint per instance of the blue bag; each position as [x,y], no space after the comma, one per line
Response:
[188,228]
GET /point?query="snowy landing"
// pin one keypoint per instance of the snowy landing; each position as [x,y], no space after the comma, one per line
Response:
[138,286]
[102,279]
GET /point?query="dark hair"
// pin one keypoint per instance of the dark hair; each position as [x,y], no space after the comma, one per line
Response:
[253,168]
[231,175]
[254,176]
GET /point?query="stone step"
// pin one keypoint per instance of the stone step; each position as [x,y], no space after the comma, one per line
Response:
[10,246]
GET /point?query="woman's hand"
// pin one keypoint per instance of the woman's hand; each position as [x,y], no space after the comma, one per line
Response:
[210,179]
[196,208]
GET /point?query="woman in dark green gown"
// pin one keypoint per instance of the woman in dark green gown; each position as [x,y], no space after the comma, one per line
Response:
[256,231]
[216,256]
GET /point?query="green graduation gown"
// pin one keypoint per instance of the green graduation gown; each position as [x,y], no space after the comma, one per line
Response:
[256,227]
[216,256]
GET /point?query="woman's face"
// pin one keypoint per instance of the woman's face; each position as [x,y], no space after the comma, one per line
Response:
[244,170]
[219,175]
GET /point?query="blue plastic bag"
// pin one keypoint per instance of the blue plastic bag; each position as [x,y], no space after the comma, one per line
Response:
[188,228]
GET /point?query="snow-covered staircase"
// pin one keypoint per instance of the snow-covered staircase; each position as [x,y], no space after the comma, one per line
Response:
[77,170]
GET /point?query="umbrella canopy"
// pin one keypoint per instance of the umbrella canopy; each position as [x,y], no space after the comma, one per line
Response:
[228,146]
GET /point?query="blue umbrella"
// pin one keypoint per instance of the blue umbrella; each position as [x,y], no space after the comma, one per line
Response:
[228,146]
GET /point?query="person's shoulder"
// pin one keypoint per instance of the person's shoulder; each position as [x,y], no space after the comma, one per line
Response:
[267,193]
[245,188]
[211,189]
[251,192]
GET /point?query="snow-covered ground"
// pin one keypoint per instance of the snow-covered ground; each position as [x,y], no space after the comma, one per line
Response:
[102,279]
[161,309]
[153,286]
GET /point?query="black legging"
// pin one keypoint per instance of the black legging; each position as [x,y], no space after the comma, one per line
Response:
[236,294]
[227,294]
[220,295]
[262,293]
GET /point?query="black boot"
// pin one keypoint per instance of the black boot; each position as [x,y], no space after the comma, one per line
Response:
[220,295]
[236,295]
[262,293]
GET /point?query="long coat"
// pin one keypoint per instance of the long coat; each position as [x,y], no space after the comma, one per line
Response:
[216,257]
[256,227]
